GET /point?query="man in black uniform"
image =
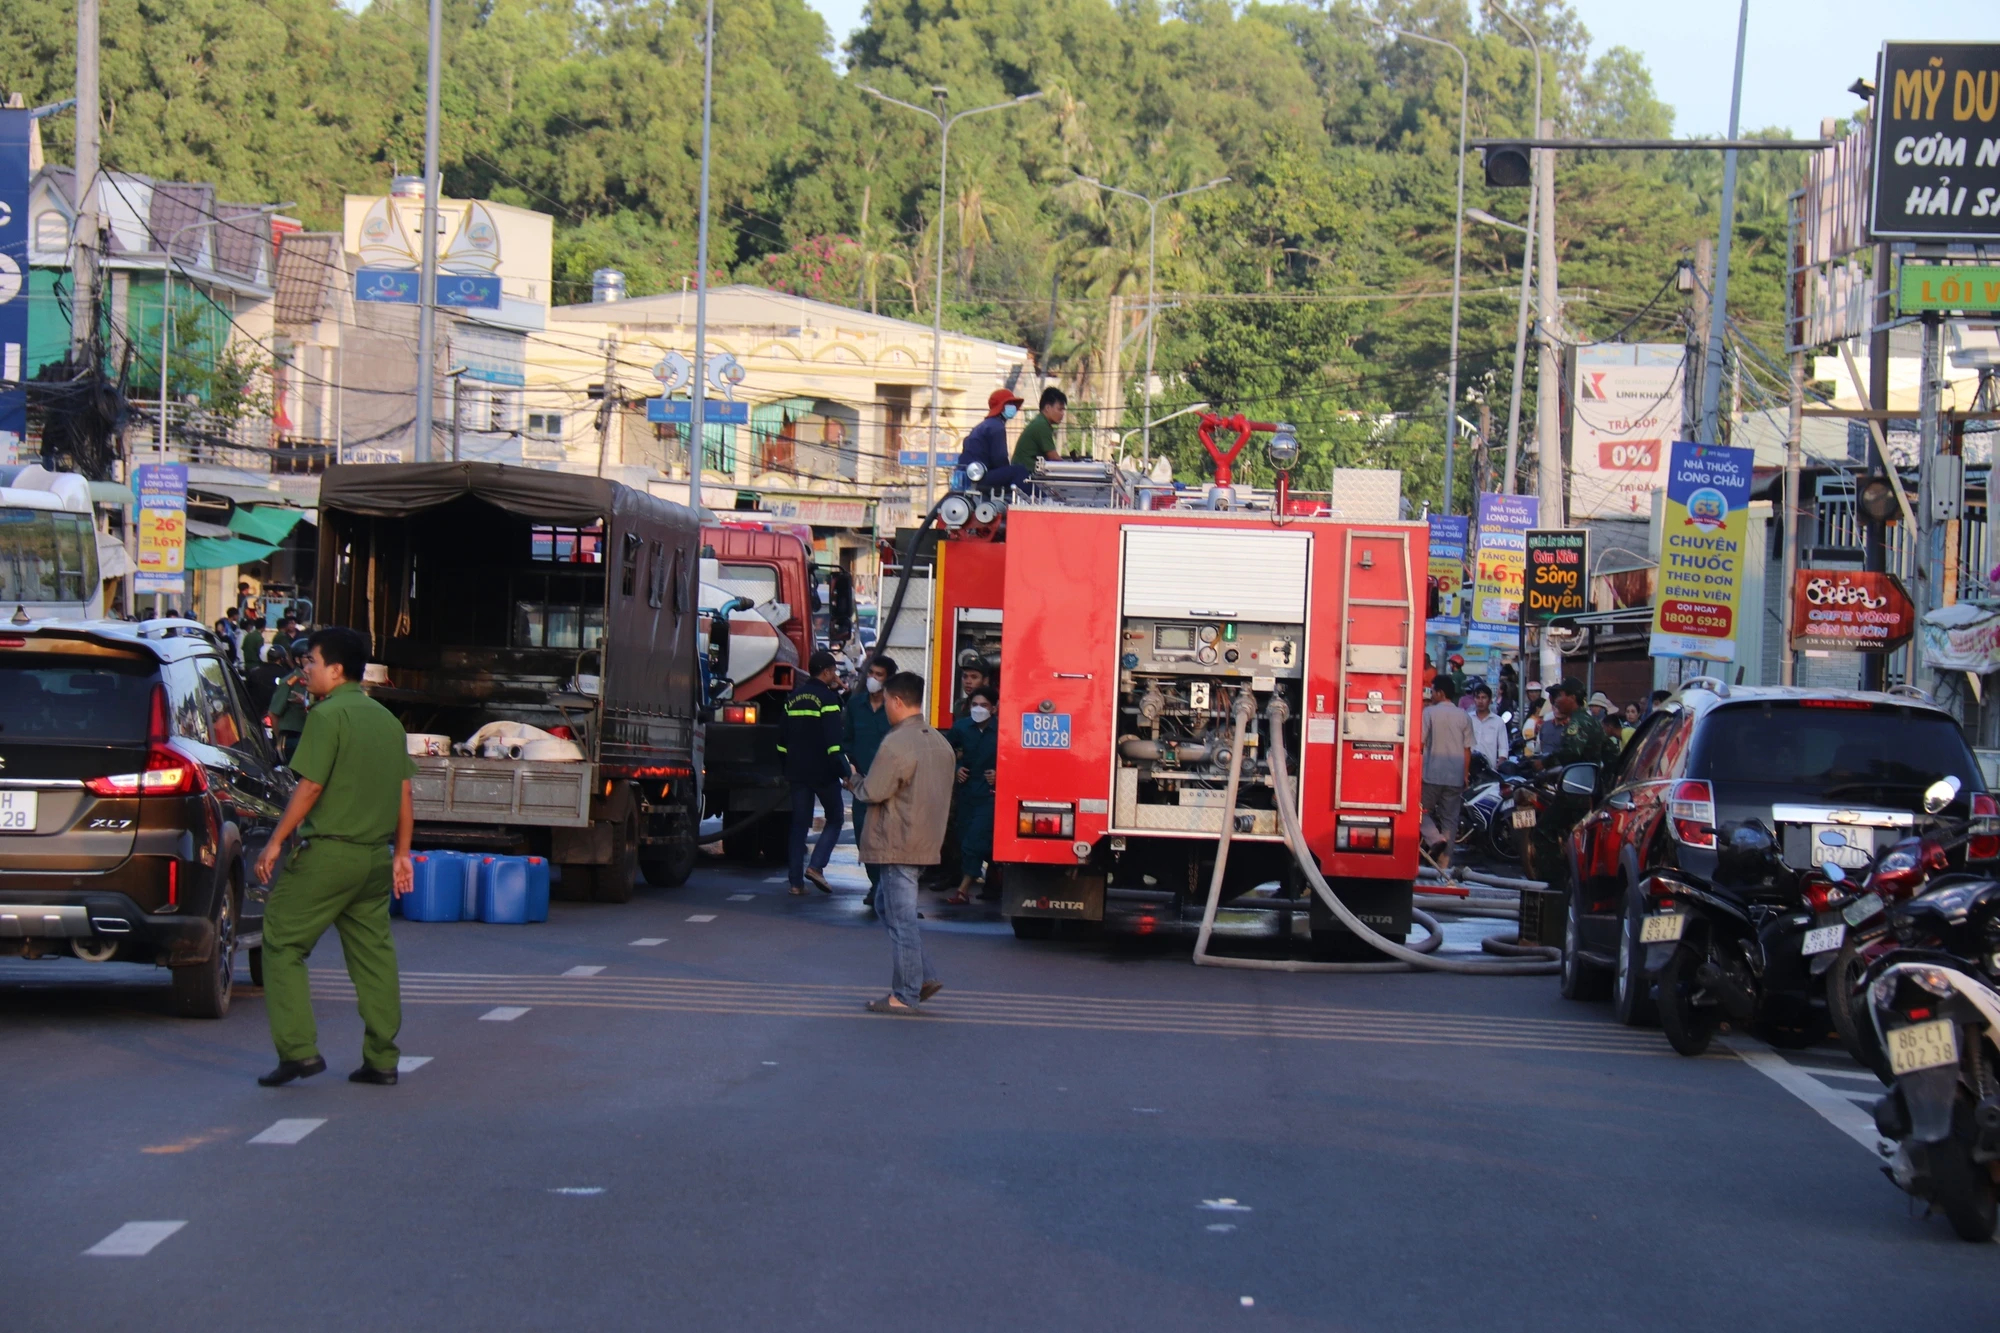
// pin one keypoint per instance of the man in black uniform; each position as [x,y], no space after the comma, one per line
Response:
[816,766]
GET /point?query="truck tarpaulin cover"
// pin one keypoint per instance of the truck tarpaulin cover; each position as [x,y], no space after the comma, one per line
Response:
[400,489]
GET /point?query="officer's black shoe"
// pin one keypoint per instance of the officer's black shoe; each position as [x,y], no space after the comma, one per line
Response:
[369,1074]
[288,1070]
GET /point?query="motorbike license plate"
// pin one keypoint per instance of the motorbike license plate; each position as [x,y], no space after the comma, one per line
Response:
[1861,909]
[1923,1046]
[1524,816]
[1824,940]
[18,810]
[1664,928]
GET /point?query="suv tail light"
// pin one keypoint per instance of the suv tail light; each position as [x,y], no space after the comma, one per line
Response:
[1691,813]
[168,772]
[1364,833]
[1046,819]
[1985,844]
[744,713]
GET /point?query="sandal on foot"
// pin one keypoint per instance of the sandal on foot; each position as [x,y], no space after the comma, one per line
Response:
[930,988]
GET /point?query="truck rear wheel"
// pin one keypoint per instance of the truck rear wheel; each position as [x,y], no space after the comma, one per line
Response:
[668,866]
[614,880]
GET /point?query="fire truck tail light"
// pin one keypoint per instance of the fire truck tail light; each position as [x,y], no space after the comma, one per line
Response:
[1047,819]
[744,713]
[1364,833]
[1985,844]
[1691,813]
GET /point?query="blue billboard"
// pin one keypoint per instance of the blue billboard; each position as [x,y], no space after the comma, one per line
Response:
[13,282]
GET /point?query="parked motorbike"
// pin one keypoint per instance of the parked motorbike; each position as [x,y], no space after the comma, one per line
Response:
[1940,1032]
[1729,951]
[1544,810]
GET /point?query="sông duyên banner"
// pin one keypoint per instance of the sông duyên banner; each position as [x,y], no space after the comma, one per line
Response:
[1699,600]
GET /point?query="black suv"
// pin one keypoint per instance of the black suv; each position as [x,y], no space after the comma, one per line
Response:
[136,790]
[1835,774]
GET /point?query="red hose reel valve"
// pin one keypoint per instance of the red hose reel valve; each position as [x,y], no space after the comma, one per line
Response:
[1225,462]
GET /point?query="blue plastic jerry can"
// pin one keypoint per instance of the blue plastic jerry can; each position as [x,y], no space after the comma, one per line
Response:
[538,888]
[503,890]
[436,891]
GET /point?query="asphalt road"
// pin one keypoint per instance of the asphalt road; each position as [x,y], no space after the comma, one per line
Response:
[708,1132]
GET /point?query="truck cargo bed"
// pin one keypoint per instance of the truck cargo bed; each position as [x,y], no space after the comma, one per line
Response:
[460,790]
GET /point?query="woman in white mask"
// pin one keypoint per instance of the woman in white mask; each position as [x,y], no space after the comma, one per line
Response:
[976,738]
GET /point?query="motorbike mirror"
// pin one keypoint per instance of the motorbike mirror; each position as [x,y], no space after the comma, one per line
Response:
[1507,717]
[1834,873]
[1940,794]
[1580,780]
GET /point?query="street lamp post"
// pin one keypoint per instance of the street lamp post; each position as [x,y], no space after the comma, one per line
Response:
[1152,203]
[937,301]
[1160,421]
[1457,248]
[698,395]
[167,299]
[1527,270]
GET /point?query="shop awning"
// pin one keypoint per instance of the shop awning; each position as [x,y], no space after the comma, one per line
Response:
[269,524]
[224,552]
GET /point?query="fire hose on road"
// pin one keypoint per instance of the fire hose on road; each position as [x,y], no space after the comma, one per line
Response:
[1525,960]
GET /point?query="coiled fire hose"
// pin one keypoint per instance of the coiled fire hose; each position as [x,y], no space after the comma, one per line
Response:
[1528,960]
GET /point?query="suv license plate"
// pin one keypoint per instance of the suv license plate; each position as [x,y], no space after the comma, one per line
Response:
[1662,929]
[1824,940]
[1923,1046]
[18,810]
[1524,816]
[1861,909]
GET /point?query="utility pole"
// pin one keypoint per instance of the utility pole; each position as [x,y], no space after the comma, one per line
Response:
[607,411]
[1548,388]
[1875,543]
[427,280]
[1794,430]
[1718,314]
[1930,485]
[698,393]
[1696,359]
[83,267]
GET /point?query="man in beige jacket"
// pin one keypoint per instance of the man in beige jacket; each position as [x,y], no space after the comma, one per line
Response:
[908,792]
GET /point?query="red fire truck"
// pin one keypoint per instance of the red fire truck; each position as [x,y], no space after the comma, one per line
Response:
[1124,623]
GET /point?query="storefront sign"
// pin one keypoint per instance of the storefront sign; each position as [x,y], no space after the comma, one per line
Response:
[161,491]
[1850,612]
[1557,559]
[1447,573]
[1625,410]
[1937,155]
[1702,544]
[1971,288]
[1964,637]
[1498,562]
[823,513]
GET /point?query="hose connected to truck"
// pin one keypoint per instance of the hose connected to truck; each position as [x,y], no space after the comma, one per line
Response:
[1528,960]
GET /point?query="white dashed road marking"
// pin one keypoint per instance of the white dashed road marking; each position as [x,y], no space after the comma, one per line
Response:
[647,943]
[701,918]
[583,971]
[134,1239]
[1224,1206]
[411,1063]
[288,1131]
[578,1189]
[506,1013]
[1833,1104]
[741,898]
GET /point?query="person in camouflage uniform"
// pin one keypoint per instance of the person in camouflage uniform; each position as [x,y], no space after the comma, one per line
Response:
[1583,737]
[1583,742]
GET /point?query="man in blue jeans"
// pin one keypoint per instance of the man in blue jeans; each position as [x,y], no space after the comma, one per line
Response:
[908,795]
[815,765]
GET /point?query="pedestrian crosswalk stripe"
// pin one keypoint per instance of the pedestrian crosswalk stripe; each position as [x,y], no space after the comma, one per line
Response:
[287,1131]
[410,1063]
[647,943]
[584,971]
[741,898]
[700,917]
[134,1240]
[1007,1009]
[506,1013]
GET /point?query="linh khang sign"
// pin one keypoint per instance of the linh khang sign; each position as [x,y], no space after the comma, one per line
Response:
[1700,602]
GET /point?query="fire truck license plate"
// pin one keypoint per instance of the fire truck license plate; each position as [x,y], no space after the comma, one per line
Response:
[1922,1046]
[1045,731]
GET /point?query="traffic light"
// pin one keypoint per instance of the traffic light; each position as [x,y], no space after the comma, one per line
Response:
[1509,166]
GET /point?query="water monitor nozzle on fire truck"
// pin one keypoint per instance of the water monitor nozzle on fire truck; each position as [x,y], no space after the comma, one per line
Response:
[1283,451]
[1529,961]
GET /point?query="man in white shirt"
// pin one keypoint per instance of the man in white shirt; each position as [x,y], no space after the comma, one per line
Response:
[1489,732]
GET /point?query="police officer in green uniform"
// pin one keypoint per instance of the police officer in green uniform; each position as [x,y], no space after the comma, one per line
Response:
[353,797]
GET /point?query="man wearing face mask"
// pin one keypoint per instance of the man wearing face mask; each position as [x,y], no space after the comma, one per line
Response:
[976,738]
[867,722]
[986,443]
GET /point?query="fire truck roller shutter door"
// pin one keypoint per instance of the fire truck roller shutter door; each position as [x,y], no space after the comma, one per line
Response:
[1216,575]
